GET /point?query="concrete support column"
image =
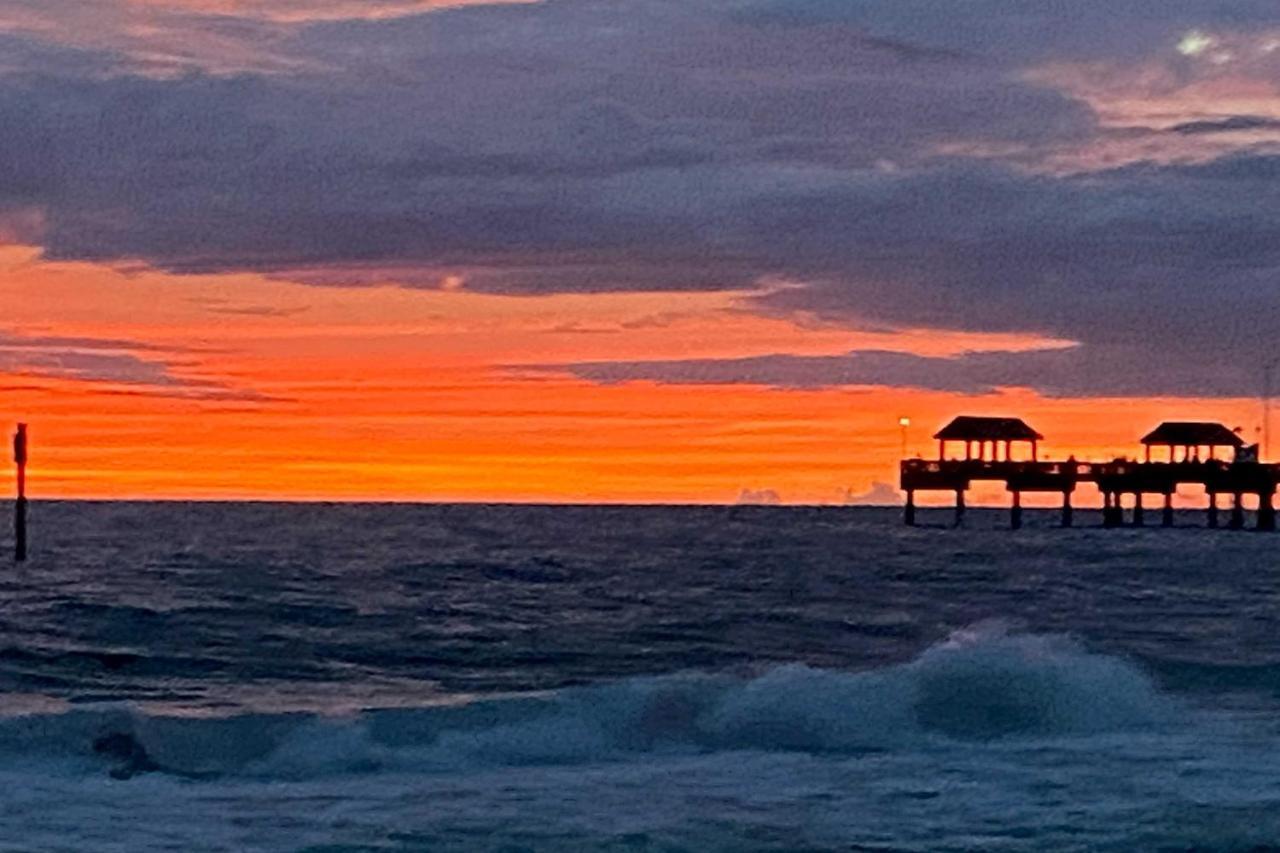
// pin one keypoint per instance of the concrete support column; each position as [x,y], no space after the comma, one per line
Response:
[1266,511]
[959,507]
[1015,513]
[1237,512]
[1066,509]
[1139,517]
[1167,519]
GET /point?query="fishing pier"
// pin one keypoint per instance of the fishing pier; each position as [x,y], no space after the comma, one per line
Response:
[1176,453]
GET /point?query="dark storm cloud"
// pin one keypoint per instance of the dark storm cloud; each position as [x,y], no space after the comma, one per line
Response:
[1232,124]
[146,369]
[1024,31]
[19,54]
[544,143]
[590,145]
[1178,256]
[1092,371]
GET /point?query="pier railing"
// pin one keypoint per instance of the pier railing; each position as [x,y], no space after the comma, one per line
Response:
[1114,479]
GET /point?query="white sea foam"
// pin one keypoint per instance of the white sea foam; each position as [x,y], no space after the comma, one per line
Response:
[1070,748]
[981,684]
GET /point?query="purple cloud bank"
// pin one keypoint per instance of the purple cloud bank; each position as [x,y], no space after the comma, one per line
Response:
[592,146]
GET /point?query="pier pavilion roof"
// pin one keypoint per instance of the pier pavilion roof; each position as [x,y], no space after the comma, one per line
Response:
[969,428]
[1192,434]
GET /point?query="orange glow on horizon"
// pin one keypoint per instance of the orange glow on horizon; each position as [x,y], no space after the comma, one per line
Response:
[243,387]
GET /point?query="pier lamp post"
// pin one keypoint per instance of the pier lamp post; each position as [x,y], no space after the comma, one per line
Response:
[903,423]
[1268,372]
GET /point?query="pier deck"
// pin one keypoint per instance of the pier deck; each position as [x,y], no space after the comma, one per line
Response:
[1243,476]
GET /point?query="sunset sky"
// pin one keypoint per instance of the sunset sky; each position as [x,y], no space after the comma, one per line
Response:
[648,250]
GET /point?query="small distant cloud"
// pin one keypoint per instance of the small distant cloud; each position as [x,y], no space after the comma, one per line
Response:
[576,328]
[657,321]
[259,311]
[1195,43]
[880,494]
[1226,125]
[759,497]
[216,305]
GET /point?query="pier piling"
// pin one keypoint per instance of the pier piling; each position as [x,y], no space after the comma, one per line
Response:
[1266,511]
[1213,509]
[909,512]
[1166,519]
[1015,512]
[1139,516]
[1112,512]
[1237,512]
[1066,509]
[959,507]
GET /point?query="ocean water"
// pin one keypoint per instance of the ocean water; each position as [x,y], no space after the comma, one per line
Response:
[392,678]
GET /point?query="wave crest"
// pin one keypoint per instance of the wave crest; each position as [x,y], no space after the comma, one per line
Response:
[980,684]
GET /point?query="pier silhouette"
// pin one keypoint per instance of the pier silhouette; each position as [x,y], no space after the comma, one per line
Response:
[1176,453]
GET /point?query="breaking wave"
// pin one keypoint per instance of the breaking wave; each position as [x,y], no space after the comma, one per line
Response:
[981,684]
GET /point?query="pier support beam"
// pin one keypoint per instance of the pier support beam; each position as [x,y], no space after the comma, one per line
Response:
[1213,509]
[909,511]
[1066,509]
[1166,520]
[1139,517]
[1015,512]
[1266,511]
[959,507]
[1237,512]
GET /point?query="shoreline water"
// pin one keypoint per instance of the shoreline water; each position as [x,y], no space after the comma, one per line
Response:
[605,678]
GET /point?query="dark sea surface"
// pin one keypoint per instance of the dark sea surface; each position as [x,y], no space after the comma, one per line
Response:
[395,677]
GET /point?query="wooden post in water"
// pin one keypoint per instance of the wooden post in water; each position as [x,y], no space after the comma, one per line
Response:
[1266,511]
[1237,512]
[20,505]
[1139,518]
[1213,509]
[1111,511]
[909,512]
[1167,519]
[959,507]
[1066,509]
[1015,513]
